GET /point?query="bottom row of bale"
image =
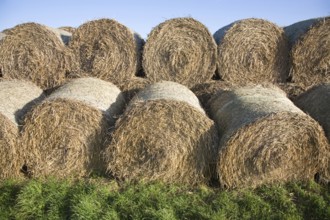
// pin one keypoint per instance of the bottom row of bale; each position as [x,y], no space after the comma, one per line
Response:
[249,136]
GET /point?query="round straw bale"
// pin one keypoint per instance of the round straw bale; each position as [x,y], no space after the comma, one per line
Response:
[107,49]
[265,138]
[32,52]
[164,138]
[252,50]
[16,99]
[311,52]
[68,29]
[131,87]
[64,135]
[316,103]
[205,91]
[180,50]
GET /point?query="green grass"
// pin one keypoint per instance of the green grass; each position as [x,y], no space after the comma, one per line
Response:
[98,198]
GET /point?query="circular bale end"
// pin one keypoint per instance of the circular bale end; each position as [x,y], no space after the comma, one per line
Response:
[265,138]
[32,52]
[252,51]
[163,140]
[311,55]
[180,50]
[107,50]
[64,136]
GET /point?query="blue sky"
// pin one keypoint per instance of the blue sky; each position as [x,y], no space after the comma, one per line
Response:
[143,15]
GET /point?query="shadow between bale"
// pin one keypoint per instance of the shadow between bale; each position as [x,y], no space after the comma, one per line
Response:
[205,91]
[265,138]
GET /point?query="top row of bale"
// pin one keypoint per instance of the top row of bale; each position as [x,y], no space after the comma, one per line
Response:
[180,49]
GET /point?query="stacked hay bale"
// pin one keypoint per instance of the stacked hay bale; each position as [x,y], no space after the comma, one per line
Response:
[180,50]
[64,135]
[32,52]
[107,50]
[265,138]
[163,135]
[316,103]
[16,99]
[310,51]
[252,50]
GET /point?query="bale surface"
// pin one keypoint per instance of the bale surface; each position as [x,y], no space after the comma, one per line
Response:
[311,53]
[64,136]
[265,138]
[180,50]
[316,103]
[94,92]
[163,140]
[252,51]
[167,90]
[32,52]
[107,49]
[16,98]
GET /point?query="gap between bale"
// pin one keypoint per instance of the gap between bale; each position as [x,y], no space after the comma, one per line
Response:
[16,99]
[68,29]
[32,52]
[64,136]
[311,52]
[132,86]
[163,138]
[180,50]
[252,51]
[107,50]
[205,91]
[265,138]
